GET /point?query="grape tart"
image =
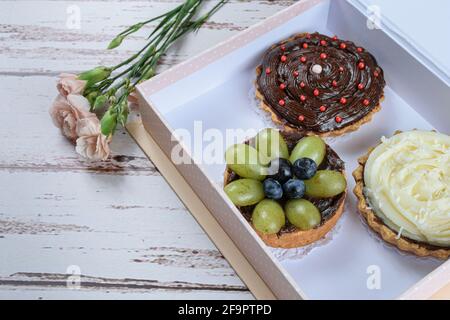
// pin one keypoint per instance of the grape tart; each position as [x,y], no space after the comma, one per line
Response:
[411,208]
[312,83]
[330,209]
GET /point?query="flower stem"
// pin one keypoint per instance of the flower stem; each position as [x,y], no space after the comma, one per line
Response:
[140,66]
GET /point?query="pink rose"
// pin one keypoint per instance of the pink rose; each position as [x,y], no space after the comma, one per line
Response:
[67,111]
[92,144]
[70,84]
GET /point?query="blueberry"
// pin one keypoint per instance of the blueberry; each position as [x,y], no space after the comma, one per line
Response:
[294,189]
[280,170]
[273,189]
[304,168]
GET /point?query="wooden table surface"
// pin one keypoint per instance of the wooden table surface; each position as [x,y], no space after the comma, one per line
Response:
[117,224]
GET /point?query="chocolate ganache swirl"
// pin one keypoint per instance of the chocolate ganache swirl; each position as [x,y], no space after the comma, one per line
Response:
[320,84]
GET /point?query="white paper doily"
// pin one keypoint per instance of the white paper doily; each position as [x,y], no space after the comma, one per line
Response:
[298,253]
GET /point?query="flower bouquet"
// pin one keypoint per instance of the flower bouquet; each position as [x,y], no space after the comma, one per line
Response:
[92,104]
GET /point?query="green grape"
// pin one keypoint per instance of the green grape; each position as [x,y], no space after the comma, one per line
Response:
[268,217]
[271,145]
[311,147]
[244,161]
[245,192]
[325,184]
[302,214]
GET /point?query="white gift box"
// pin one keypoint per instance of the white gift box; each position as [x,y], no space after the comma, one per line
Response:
[215,90]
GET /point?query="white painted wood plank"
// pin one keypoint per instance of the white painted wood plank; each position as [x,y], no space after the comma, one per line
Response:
[35,39]
[132,227]
[31,293]
[110,219]
[37,285]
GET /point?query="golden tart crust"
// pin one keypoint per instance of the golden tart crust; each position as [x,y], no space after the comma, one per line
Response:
[387,234]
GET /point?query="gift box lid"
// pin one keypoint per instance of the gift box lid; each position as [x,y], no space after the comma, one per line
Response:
[421,27]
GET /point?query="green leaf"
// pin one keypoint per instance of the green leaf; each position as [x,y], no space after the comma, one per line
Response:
[117,41]
[108,123]
[95,75]
[100,102]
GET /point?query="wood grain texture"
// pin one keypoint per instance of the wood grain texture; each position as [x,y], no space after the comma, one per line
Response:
[117,221]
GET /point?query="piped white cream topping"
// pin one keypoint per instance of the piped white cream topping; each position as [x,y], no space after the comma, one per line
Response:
[407,180]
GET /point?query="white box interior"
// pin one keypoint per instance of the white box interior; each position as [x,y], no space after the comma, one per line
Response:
[419,24]
[219,95]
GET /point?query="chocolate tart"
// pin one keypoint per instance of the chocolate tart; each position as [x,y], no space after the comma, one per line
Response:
[344,95]
[418,248]
[331,209]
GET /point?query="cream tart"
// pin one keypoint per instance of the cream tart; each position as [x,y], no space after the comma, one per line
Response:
[301,183]
[403,191]
[315,84]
